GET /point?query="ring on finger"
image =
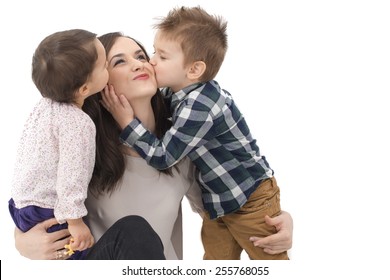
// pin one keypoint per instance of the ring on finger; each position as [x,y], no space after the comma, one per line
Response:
[60,254]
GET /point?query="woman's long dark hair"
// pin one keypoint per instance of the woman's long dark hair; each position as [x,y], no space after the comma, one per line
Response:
[110,159]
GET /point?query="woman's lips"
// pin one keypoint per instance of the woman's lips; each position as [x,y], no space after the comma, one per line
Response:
[141,77]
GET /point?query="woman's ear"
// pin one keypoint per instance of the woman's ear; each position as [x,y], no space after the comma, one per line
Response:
[196,70]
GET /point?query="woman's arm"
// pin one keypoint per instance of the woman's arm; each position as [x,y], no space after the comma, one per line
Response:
[280,241]
[38,244]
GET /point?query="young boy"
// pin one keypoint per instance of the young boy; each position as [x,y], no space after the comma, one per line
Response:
[238,187]
[56,154]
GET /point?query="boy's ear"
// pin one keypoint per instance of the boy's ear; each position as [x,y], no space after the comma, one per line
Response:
[196,70]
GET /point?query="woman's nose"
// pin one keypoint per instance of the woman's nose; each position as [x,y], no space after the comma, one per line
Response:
[138,65]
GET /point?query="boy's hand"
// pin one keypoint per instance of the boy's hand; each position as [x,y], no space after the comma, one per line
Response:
[118,106]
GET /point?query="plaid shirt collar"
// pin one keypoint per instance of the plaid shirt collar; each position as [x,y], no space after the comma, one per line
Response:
[177,97]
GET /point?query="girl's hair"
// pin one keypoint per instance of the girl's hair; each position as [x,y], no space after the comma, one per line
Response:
[63,62]
[202,37]
[110,159]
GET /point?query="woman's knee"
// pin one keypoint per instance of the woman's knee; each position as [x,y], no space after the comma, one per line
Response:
[134,225]
[132,220]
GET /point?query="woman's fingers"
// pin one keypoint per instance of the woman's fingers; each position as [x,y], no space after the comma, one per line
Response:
[280,241]
[60,255]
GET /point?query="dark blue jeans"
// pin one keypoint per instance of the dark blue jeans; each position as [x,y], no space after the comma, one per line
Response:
[130,238]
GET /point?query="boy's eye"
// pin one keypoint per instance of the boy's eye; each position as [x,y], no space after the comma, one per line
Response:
[159,55]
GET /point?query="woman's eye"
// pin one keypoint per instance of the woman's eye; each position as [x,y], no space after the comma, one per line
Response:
[118,62]
[142,57]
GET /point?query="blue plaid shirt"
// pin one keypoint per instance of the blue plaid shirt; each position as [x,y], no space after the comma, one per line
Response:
[207,127]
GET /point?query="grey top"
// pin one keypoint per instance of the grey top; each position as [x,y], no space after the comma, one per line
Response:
[157,197]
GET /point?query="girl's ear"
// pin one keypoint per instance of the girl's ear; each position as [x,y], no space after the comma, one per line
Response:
[83,91]
[196,70]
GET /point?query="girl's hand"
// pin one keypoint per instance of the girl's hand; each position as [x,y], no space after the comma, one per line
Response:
[81,235]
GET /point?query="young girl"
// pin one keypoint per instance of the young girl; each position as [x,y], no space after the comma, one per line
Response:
[56,155]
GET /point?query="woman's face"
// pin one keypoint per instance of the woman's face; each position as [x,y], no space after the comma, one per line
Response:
[129,71]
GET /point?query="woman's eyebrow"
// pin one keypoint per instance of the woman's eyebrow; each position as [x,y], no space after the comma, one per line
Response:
[122,54]
[139,51]
[117,55]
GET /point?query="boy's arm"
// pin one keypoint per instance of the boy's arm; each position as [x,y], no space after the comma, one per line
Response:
[190,130]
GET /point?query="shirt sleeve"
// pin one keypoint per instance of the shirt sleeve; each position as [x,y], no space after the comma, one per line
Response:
[192,128]
[75,167]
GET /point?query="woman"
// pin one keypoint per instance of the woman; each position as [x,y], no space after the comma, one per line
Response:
[123,183]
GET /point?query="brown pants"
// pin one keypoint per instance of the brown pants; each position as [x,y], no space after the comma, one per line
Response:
[224,238]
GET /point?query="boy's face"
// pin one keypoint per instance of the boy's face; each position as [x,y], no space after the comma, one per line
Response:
[168,63]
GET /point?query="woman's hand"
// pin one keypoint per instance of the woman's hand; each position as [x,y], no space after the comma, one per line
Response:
[118,106]
[280,241]
[38,244]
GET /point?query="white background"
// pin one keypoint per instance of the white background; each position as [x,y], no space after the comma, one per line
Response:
[312,79]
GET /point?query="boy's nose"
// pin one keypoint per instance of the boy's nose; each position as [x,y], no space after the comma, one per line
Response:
[151,61]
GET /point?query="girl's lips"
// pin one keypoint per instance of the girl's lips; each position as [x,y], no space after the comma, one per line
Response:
[141,77]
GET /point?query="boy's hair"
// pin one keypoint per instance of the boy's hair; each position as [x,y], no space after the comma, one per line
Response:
[63,62]
[202,37]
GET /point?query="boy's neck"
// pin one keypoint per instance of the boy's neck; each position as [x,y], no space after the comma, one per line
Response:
[185,86]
